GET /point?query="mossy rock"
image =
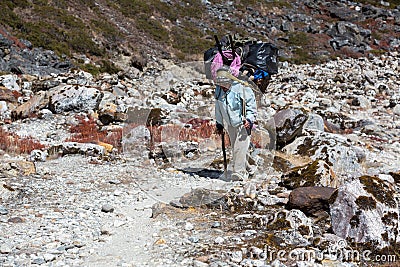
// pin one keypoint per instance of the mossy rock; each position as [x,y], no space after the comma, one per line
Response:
[396,176]
[379,190]
[343,158]
[366,213]
[316,173]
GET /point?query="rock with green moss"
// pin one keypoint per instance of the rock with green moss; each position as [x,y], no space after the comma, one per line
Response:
[316,173]
[367,212]
[344,158]
[292,227]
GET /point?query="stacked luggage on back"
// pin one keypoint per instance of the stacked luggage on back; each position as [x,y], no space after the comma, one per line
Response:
[245,56]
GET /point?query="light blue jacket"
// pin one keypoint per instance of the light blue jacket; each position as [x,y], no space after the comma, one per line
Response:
[229,105]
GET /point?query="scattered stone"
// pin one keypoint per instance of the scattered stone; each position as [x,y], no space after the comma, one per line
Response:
[189,226]
[237,256]
[16,220]
[38,261]
[250,190]
[194,239]
[105,230]
[197,263]
[3,210]
[49,257]
[219,240]
[314,122]
[216,225]
[107,208]
[38,155]
[117,223]
[396,110]
[5,249]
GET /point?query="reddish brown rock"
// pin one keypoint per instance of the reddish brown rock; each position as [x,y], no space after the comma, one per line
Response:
[312,200]
[29,109]
[8,95]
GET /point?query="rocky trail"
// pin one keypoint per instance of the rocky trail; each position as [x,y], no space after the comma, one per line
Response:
[123,170]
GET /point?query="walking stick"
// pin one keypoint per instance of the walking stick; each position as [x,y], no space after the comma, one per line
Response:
[224,154]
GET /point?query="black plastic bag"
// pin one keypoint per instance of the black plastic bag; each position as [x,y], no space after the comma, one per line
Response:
[263,56]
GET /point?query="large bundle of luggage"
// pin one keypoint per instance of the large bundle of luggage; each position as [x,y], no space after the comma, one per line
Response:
[245,56]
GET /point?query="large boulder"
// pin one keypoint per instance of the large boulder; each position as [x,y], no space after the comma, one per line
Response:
[289,123]
[367,212]
[74,98]
[344,158]
[86,149]
[312,200]
[109,109]
[316,173]
[31,107]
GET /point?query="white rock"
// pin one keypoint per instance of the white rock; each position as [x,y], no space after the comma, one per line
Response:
[119,223]
[219,240]
[396,109]
[49,257]
[197,263]
[3,107]
[10,82]
[189,226]
[5,249]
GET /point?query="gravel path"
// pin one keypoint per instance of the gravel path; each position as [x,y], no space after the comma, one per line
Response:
[78,211]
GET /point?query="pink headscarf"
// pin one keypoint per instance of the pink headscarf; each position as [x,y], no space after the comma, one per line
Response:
[218,63]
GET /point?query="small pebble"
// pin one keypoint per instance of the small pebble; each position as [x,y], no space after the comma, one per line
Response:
[107,208]
[49,257]
[3,210]
[216,225]
[219,240]
[194,239]
[5,249]
[189,226]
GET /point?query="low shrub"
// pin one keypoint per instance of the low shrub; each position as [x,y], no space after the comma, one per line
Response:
[12,143]
[87,131]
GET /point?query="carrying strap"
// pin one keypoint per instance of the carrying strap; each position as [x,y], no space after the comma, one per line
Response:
[232,46]
[224,59]
[244,103]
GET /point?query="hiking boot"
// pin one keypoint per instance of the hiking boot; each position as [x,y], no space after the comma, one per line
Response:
[236,176]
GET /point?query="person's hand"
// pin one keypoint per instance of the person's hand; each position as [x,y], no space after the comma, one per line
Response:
[247,124]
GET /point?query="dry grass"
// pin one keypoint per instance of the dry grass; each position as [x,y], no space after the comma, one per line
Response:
[87,131]
[12,143]
[194,130]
